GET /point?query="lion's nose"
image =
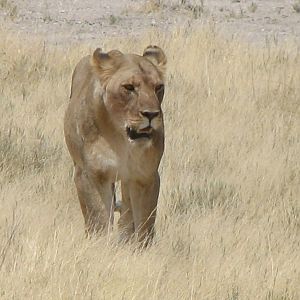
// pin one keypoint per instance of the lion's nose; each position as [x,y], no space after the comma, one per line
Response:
[149,114]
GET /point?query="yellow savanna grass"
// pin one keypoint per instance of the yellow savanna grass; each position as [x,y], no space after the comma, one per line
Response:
[228,222]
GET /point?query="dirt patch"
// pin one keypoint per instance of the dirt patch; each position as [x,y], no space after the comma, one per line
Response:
[60,22]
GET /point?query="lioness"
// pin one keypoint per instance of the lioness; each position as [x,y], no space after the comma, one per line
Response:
[114,131]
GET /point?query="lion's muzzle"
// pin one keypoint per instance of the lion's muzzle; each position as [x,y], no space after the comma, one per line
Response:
[148,124]
[134,134]
[150,115]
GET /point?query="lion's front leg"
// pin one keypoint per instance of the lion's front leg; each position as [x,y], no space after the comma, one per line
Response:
[144,204]
[95,201]
[126,225]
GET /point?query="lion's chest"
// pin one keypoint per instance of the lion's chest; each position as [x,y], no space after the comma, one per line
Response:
[101,159]
[138,162]
[125,163]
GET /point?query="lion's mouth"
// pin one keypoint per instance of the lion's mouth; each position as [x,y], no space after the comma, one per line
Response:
[139,134]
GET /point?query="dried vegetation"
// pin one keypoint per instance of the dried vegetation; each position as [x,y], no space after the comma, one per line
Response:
[229,214]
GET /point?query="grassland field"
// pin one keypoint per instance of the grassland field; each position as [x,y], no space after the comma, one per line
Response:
[229,209]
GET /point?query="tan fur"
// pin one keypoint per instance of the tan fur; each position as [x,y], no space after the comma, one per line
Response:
[101,124]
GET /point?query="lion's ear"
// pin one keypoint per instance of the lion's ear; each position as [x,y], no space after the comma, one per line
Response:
[156,56]
[106,64]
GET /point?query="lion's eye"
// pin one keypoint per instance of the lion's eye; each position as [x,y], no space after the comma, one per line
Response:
[129,87]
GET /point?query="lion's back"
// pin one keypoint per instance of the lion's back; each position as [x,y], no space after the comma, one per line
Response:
[81,75]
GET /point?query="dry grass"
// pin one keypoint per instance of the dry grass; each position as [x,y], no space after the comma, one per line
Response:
[10,9]
[228,224]
[148,7]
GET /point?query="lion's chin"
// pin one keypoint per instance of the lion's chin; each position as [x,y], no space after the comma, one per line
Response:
[140,134]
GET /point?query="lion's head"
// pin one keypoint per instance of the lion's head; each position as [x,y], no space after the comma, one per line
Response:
[133,88]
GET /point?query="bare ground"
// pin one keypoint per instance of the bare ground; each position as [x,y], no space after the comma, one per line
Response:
[60,22]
